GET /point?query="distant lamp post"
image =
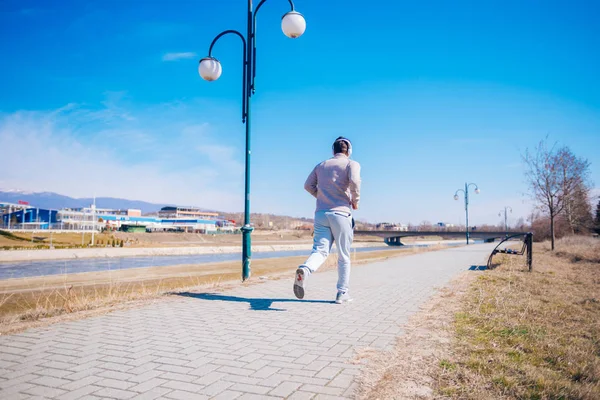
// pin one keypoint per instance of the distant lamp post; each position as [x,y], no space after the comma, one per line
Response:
[293,26]
[505,212]
[466,192]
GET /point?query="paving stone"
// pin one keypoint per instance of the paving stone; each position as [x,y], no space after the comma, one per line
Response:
[329,397]
[114,383]
[188,387]
[328,372]
[44,391]
[146,376]
[174,368]
[204,369]
[182,395]
[24,378]
[322,389]
[122,376]
[115,393]
[236,371]
[77,384]
[217,388]
[285,389]
[299,395]
[240,387]
[82,374]
[265,372]
[49,381]
[227,395]
[17,390]
[252,396]
[154,393]
[171,376]
[80,393]
[342,381]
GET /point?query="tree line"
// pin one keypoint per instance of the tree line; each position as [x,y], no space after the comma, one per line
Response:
[559,183]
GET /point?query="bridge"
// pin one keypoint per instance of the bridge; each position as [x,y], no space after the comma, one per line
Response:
[393,238]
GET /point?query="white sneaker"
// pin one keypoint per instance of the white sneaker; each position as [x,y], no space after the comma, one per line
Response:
[343,297]
[299,282]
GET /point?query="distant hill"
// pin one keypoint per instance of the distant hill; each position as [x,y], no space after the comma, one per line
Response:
[57,201]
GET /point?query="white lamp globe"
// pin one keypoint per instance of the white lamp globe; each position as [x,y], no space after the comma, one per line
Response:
[455,197]
[293,24]
[477,191]
[210,69]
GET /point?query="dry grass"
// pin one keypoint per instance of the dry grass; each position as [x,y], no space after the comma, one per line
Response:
[502,334]
[41,240]
[530,335]
[24,302]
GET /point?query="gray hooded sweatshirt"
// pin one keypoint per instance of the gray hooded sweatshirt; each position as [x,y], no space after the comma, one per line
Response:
[335,183]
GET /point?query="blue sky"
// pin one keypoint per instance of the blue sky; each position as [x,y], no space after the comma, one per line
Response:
[104,97]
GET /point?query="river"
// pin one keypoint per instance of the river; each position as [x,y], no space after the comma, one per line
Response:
[26,269]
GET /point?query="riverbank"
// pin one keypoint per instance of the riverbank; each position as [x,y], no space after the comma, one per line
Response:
[118,252]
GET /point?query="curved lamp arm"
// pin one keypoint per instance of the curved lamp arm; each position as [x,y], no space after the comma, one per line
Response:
[474,184]
[253,41]
[245,87]
[262,2]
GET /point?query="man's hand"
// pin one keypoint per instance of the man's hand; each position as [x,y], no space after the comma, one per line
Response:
[354,205]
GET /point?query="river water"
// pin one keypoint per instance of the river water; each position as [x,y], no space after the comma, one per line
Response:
[25,269]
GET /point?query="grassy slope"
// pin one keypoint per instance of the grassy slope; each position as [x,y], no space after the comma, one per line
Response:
[530,335]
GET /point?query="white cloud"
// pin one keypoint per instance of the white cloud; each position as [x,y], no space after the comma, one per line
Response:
[178,56]
[81,152]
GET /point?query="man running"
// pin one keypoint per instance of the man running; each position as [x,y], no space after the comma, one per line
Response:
[336,185]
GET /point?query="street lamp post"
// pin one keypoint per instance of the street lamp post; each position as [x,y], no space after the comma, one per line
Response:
[209,68]
[466,192]
[506,209]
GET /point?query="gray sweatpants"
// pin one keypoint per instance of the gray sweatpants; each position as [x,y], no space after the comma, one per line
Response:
[330,227]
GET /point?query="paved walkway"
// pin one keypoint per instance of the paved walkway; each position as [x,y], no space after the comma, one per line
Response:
[249,342]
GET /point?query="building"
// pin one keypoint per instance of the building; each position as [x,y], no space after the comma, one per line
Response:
[87,218]
[29,218]
[173,219]
[186,212]
[7,208]
[224,225]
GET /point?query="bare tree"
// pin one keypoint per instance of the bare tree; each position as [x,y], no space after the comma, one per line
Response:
[578,209]
[597,219]
[520,225]
[576,190]
[553,176]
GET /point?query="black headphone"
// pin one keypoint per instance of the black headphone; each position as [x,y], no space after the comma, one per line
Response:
[343,139]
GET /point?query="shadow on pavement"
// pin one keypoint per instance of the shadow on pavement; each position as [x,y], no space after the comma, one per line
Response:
[255,304]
